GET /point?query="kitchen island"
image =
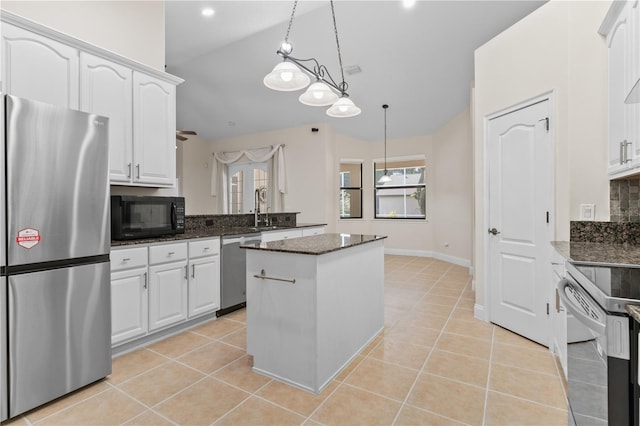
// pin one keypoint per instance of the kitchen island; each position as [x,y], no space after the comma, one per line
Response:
[313,304]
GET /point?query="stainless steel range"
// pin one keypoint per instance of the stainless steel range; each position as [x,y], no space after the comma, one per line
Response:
[598,367]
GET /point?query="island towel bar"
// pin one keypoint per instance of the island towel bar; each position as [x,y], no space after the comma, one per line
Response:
[263,276]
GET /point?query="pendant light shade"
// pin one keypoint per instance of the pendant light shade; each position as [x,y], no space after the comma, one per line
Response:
[286,77]
[343,107]
[385,178]
[318,94]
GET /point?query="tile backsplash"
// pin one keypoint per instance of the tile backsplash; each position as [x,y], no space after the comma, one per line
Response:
[624,224]
[624,200]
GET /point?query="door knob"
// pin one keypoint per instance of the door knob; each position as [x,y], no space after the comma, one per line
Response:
[493,231]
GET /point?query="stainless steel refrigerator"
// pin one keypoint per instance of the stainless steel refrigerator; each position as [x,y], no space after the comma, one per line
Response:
[56,333]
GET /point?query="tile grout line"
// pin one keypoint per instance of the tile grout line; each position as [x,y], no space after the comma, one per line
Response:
[486,391]
[420,371]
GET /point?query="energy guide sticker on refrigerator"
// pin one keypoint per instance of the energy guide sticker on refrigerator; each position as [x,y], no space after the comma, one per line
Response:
[56,231]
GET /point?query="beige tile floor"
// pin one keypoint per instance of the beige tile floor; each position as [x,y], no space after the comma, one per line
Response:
[434,364]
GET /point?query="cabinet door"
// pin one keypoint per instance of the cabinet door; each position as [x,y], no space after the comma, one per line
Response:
[154,128]
[204,285]
[167,294]
[280,235]
[106,89]
[618,61]
[312,231]
[37,68]
[129,306]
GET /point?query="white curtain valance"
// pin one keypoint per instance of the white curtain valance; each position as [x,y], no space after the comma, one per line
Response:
[277,176]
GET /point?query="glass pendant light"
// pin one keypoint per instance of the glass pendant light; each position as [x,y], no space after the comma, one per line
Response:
[344,107]
[385,178]
[318,94]
[286,77]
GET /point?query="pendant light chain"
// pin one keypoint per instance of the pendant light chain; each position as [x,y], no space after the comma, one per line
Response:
[293,12]
[343,85]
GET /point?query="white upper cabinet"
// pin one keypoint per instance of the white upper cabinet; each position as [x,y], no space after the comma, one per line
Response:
[38,68]
[623,65]
[107,89]
[154,140]
[42,64]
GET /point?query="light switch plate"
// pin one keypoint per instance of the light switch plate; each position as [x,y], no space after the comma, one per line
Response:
[587,212]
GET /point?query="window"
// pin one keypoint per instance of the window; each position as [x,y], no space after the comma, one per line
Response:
[405,196]
[350,190]
[244,179]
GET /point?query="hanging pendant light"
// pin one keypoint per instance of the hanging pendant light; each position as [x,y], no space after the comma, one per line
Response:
[288,76]
[318,94]
[343,107]
[385,178]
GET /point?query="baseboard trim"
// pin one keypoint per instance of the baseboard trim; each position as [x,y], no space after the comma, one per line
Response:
[478,312]
[425,253]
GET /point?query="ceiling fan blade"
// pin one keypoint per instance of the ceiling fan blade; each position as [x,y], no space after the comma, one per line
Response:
[186,132]
[181,138]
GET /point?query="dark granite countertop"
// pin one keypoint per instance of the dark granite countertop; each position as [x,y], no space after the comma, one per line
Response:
[211,232]
[634,311]
[315,244]
[604,253]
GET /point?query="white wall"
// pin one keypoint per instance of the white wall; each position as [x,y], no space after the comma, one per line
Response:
[134,29]
[452,202]
[556,48]
[313,161]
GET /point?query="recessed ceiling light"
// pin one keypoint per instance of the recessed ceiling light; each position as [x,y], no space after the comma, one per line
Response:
[408,3]
[207,11]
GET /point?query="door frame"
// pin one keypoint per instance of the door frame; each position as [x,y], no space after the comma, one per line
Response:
[484,311]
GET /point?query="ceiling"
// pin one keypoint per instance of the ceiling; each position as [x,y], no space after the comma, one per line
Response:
[418,60]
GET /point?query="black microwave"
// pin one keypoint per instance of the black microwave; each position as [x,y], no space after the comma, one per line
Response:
[135,217]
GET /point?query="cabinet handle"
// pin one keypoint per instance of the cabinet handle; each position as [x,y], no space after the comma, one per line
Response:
[626,151]
[621,152]
[138,170]
[193,271]
[145,281]
[126,259]
[129,174]
[186,272]
[206,248]
[171,253]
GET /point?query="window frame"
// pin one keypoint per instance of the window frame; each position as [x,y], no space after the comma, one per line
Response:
[349,188]
[376,187]
[248,196]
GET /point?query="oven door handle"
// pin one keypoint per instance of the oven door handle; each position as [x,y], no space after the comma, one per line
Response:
[577,311]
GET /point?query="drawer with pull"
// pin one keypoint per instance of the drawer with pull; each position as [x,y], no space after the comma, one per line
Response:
[167,253]
[128,258]
[201,248]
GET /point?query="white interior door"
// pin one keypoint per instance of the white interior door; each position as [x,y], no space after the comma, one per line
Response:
[520,204]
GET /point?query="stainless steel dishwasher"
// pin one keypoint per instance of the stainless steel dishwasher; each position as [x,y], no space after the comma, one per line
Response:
[233,275]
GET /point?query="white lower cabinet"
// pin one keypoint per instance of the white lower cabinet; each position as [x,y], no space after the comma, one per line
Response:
[558,313]
[280,235]
[157,286]
[204,277]
[129,302]
[129,297]
[315,230]
[167,285]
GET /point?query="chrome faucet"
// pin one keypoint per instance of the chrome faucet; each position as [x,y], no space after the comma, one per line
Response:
[256,208]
